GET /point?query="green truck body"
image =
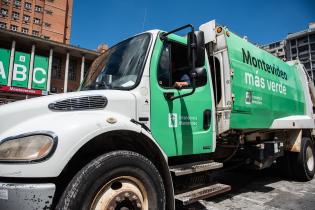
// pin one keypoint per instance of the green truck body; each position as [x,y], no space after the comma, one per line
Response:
[272,87]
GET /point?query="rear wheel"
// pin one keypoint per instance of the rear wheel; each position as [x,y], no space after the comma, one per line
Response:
[303,162]
[120,180]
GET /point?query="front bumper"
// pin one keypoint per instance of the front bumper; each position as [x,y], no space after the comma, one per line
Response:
[26,196]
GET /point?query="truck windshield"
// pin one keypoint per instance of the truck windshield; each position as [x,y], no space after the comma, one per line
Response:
[120,67]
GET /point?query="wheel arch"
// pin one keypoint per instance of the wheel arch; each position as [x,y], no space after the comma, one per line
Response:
[113,141]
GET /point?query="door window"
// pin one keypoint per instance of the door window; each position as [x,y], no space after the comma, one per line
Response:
[174,68]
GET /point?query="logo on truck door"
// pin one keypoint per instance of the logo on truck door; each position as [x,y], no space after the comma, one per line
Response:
[172,120]
[182,120]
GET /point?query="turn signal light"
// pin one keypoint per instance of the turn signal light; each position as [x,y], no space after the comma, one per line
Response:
[219,29]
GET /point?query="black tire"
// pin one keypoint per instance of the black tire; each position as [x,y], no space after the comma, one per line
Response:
[87,183]
[301,169]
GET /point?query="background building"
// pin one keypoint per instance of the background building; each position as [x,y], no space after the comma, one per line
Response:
[277,49]
[48,19]
[299,45]
[32,66]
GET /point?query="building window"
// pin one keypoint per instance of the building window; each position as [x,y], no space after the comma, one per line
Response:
[303,49]
[28,5]
[26,18]
[312,38]
[3,25]
[313,47]
[72,70]
[38,8]
[13,27]
[293,50]
[307,65]
[6,2]
[36,21]
[49,12]
[302,40]
[25,30]
[35,33]
[293,42]
[17,3]
[310,73]
[47,25]
[56,68]
[304,57]
[4,12]
[46,37]
[15,15]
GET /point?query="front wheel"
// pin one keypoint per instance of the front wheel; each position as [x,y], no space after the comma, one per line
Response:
[120,180]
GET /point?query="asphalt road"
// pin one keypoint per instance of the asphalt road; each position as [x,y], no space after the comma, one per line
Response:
[260,190]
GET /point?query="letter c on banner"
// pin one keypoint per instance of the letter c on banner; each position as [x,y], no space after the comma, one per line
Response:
[41,81]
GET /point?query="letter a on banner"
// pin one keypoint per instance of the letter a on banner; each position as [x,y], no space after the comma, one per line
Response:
[4,65]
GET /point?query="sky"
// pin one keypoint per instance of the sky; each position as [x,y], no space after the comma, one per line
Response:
[263,21]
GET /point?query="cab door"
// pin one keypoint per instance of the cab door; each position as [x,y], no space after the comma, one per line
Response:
[183,126]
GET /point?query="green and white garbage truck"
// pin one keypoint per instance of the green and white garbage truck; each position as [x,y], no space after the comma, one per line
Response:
[156,115]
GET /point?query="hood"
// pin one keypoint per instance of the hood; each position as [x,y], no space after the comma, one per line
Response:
[122,102]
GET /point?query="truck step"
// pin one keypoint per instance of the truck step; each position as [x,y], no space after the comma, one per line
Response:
[202,193]
[190,168]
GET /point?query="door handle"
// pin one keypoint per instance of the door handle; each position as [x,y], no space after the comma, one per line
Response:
[206,119]
[168,96]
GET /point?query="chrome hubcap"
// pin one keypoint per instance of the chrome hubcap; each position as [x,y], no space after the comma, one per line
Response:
[122,193]
[309,158]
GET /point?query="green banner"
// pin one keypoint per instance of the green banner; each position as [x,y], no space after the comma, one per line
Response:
[265,88]
[4,65]
[21,69]
[40,73]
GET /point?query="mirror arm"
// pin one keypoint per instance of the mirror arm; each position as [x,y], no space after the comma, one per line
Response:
[164,35]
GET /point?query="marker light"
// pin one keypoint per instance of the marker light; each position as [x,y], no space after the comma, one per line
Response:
[219,30]
[29,148]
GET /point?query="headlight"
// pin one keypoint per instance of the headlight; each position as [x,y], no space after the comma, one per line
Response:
[28,148]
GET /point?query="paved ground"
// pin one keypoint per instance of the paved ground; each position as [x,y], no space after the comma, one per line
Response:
[264,190]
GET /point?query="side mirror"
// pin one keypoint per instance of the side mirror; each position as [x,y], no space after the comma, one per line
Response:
[196,46]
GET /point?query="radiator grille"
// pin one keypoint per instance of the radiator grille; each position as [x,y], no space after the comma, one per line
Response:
[79,103]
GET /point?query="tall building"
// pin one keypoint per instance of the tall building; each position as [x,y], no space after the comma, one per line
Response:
[276,48]
[301,45]
[48,19]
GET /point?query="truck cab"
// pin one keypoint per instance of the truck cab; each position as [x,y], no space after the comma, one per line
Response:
[155,111]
